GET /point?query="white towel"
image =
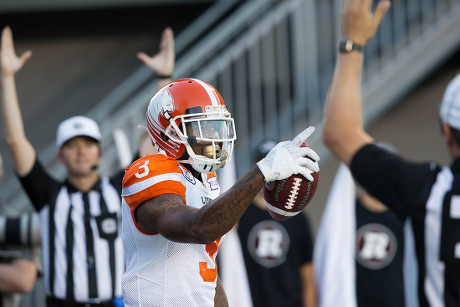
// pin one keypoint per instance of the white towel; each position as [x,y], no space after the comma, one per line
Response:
[334,253]
[232,267]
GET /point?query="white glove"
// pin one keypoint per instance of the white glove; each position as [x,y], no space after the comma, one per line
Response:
[288,158]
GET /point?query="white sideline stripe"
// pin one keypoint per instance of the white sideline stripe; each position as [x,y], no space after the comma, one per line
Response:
[210,92]
[139,186]
[455,207]
[279,211]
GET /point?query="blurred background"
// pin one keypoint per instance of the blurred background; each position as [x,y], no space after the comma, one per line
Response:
[272,61]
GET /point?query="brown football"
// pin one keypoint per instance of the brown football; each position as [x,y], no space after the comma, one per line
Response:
[286,198]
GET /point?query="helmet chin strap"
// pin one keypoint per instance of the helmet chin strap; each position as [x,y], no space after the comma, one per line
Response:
[208,152]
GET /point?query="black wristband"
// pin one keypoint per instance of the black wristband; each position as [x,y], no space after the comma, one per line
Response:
[164,76]
[347,45]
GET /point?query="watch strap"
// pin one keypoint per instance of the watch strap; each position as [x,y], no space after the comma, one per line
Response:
[348,45]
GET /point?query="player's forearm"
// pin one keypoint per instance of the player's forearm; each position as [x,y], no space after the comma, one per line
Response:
[220,215]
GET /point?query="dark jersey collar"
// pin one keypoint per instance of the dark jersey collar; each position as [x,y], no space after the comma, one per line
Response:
[72,189]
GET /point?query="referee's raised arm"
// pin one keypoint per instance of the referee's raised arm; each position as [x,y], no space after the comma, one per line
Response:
[21,149]
[425,191]
[343,125]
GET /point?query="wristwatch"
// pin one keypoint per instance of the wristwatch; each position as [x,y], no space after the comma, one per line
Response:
[347,45]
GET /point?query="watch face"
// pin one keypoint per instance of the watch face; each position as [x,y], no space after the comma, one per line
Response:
[349,45]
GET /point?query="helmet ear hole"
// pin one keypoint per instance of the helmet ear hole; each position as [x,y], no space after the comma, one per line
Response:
[164,137]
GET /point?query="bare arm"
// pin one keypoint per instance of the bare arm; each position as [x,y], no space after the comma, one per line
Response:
[220,300]
[343,127]
[18,276]
[168,215]
[162,64]
[308,285]
[22,150]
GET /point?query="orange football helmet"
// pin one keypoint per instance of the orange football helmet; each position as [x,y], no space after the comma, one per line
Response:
[189,115]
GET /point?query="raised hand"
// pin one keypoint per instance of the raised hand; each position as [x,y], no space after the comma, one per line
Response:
[163,62]
[10,62]
[289,158]
[359,23]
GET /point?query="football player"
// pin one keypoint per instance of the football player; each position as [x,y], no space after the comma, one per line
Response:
[174,218]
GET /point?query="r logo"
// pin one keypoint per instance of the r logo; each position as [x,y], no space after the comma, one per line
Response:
[376,246]
[269,243]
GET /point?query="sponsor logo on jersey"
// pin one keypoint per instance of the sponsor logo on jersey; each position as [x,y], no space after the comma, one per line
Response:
[205,200]
[268,243]
[376,246]
[185,172]
[213,183]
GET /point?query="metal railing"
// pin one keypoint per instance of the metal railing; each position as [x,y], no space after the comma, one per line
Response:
[274,73]
[123,108]
[272,61]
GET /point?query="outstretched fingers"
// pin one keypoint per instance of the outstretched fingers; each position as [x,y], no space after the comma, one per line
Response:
[381,10]
[167,40]
[10,62]
[7,38]
[161,63]
[302,136]
[143,57]
[25,56]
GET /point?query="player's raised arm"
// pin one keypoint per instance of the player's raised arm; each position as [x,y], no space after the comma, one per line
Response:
[22,151]
[167,214]
[343,127]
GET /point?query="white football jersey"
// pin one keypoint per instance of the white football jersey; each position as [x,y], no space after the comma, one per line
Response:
[160,272]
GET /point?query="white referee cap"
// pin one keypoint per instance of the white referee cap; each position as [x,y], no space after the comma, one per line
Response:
[450,106]
[77,126]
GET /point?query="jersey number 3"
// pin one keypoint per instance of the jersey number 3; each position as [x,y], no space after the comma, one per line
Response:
[144,168]
[210,274]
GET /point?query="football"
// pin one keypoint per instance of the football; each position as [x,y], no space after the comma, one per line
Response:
[286,198]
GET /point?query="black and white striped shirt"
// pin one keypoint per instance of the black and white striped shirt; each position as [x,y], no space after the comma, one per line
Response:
[81,236]
[431,196]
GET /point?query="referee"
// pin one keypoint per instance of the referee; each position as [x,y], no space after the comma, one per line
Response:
[80,217]
[428,193]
